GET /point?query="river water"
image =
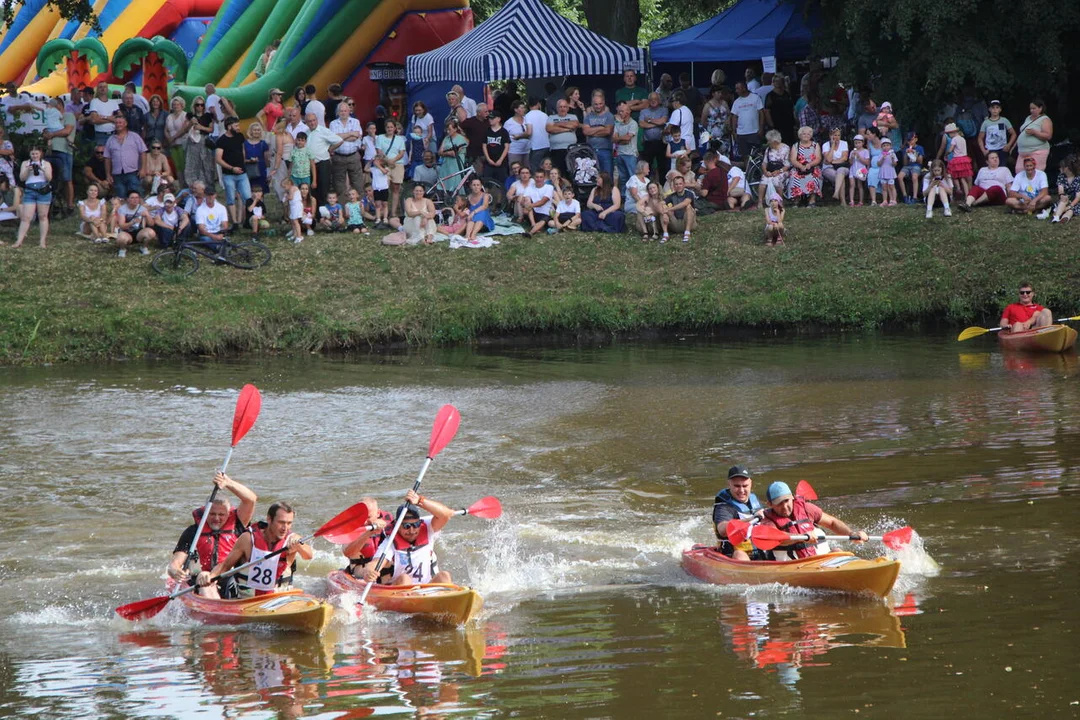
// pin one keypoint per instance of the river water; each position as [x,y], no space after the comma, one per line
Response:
[606,459]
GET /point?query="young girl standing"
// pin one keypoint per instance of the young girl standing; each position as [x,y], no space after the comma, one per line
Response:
[887,174]
[295,209]
[860,169]
[956,156]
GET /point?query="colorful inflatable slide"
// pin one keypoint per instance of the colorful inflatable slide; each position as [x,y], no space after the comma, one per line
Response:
[321,41]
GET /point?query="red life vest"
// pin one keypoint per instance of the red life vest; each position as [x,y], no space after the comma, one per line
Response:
[371,546]
[284,571]
[401,543]
[215,545]
[798,524]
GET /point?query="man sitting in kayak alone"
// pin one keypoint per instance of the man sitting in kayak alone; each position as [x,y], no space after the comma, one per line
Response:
[219,534]
[736,502]
[796,516]
[273,574]
[413,551]
[363,550]
[1025,315]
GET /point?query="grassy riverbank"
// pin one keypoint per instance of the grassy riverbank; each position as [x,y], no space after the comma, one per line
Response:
[860,267]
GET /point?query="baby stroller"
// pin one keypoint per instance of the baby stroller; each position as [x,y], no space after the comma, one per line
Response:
[582,167]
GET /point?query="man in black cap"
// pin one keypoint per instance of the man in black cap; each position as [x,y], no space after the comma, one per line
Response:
[736,502]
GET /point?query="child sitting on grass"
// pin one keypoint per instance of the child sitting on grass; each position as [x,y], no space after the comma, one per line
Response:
[1068,183]
[913,154]
[459,217]
[774,221]
[937,185]
[92,211]
[367,204]
[354,214]
[303,163]
[567,212]
[256,212]
[332,215]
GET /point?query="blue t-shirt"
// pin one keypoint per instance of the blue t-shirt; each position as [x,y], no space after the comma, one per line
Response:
[908,160]
[335,211]
[599,120]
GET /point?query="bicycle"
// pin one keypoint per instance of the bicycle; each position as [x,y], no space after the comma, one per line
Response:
[444,197]
[755,165]
[182,259]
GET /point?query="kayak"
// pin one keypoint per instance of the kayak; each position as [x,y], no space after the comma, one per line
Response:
[841,571]
[1052,338]
[442,602]
[289,610]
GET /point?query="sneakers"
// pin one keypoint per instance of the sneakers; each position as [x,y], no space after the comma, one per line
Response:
[122,252]
[686,236]
[310,232]
[929,214]
[948,211]
[551,231]
[144,250]
[1044,214]
[964,206]
[298,239]
[665,238]
[1055,220]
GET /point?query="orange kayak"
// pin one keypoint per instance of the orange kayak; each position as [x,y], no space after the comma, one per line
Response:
[1052,338]
[451,604]
[289,609]
[841,571]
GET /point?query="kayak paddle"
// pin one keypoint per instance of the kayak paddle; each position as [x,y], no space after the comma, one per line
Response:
[442,432]
[345,527]
[805,491]
[767,537]
[247,409]
[488,508]
[972,332]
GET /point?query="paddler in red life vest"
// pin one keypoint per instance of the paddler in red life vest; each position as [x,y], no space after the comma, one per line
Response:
[263,538]
[736,502]
[1026,314]
[413,551]
[223,526]
[363,550]
[796,516]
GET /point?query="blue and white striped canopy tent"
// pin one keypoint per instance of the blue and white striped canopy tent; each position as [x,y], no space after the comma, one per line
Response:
[526,39]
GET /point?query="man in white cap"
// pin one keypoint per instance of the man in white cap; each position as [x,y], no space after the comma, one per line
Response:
[796,516]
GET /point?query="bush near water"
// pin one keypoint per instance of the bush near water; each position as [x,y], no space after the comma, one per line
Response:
[842,268]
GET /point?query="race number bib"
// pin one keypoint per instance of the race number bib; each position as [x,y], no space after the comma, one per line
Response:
[262,575]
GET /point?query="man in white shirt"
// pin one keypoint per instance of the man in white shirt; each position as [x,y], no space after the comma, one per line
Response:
[294,124]
[766,86]
[1030,192]
[541,203]
[321,142]
[315,106]
[347,166]
[539,143]
[682,118]
[102,109]
[738,196]
[747,119]
[750,74]
[212,220]
[213,106]
[466,102]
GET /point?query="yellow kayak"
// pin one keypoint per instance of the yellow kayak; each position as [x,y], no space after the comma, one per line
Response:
[1052,338]
[289,609]
[452,604]
[841,571]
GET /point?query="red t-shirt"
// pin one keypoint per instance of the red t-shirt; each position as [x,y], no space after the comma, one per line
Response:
[809,511]
[715,185]
[1020,313]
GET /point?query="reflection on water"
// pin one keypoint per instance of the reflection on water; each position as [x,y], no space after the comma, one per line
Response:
[606,460]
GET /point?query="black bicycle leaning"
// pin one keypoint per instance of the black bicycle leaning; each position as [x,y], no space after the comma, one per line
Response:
[182,259]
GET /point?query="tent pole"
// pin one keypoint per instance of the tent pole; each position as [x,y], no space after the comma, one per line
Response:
[692,74]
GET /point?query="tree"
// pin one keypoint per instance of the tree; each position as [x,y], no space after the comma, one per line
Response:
[918,53]
[81,10]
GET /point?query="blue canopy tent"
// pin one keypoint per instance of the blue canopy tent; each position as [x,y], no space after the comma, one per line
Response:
[526,39]
[748,30]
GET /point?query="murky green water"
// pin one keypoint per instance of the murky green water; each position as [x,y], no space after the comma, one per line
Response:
[606,460]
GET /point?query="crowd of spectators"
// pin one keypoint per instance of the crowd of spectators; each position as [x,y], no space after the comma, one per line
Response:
[651,160]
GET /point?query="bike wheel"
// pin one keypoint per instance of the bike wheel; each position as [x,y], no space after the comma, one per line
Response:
[247,254]
[753,171]
[175,263]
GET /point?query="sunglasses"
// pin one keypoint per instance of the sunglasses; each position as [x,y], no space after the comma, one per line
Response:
[199,105]
[1026,292]
[412,525]
[99,152]
[155,147]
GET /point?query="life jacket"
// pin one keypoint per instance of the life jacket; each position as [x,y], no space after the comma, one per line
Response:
[418,559]
[746,510]
[371,547]
[215,545]
[265,577]
[798,524]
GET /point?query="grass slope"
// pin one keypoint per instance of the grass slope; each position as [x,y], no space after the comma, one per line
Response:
[859,267]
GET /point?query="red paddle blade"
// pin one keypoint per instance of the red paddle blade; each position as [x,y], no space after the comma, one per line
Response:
[444,429]
[247,409]
[897,539]
[346,526]
[805,491]
[767,537]
[736,531]
[488,508]
[144,609]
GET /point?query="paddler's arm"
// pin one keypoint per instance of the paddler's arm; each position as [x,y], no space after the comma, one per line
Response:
[246,510]
[839,527]
[439,512]
[239,554]
[298,548]
[177,569]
